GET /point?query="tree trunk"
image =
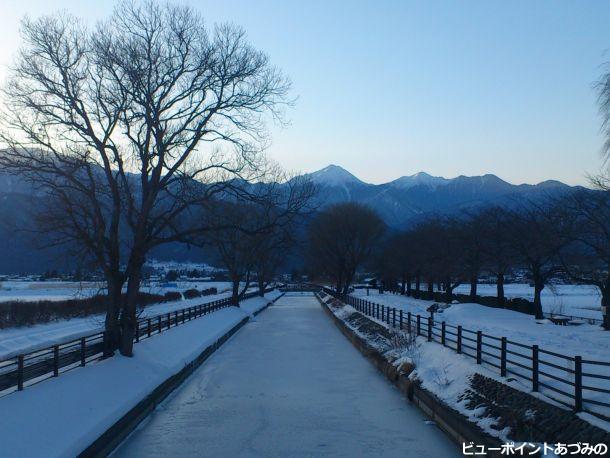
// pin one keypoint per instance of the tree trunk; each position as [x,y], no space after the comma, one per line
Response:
[500,289]
[473,287]
[606,306]
[418,284]
[112,337]
[408,285]
[261,285]
[448,290]
[235,293]
[128,316]
[403,286]
[538,287]
[431,286]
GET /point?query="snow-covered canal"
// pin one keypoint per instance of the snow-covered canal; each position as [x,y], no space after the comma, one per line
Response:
[288,384]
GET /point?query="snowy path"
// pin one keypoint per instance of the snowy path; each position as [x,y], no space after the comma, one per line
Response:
[288,384]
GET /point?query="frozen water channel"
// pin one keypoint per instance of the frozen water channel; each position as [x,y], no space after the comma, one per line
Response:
[287,384]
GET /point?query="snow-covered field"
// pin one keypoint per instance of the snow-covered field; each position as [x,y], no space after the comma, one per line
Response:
[62,416]
[586,340]
[577,300]
[23,339]
[62,290]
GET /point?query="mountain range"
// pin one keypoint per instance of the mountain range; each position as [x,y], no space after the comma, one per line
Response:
[405,200]
[400,202]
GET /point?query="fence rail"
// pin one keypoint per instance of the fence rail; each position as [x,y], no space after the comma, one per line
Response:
[26,369]
[571,380]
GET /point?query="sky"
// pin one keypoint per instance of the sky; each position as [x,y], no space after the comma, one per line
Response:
[390,88]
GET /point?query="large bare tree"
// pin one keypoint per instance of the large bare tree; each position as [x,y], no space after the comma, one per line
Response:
[129,125]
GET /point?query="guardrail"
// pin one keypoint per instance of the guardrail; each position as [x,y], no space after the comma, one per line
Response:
[29,368]
[570,380]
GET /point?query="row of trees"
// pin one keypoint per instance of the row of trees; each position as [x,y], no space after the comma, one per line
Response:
[568,235]
[135,132]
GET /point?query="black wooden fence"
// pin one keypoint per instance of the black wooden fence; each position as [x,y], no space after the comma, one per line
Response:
[571,380]
[32,367]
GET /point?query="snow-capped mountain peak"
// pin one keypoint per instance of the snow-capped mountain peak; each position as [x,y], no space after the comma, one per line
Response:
[419,178]
[333,175]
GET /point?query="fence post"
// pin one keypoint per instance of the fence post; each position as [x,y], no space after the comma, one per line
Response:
[409,321]
[400,318]
[55,360]
[137,331]
[503,357]
[176,317]
[429,329]
[83,349]
[382,312]
[459,339]
[20,372]
[443,330]
[159,321]
[418,324]
[149,330]
[394,317]
[479,346]
[577,383]
[377,307]
[534,367]
[169,320]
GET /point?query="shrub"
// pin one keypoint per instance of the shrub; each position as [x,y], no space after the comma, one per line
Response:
[22,313]
[172,296]
[191,293]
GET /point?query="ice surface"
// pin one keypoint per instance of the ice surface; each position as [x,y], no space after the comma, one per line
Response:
[289,384]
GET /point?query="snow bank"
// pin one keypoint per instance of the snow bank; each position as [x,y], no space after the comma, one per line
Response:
[62,416]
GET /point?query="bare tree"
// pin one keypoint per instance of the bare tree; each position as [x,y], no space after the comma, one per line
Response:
[587,260]
[498,254]
[469,239]
[118,124]
[537,234]
[250,231]
[341,238]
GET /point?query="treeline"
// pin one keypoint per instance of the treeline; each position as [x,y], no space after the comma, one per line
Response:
[568,236]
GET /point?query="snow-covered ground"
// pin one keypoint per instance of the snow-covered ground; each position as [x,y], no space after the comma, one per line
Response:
[62,416]
[589,341]
[585,340]
[446,374]
[27,291]
[23,339]
[577,300]
[288,384]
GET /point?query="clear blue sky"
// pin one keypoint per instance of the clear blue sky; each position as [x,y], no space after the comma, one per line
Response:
[389,88]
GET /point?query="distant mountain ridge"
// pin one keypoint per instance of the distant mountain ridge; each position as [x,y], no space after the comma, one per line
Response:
[400,203]
[406,199]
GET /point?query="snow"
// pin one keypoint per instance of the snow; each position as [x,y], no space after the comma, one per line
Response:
[25,339]
[589,341]
[577,300]
[333,175]
[289,384]
[420,178]
[62,416]
[27,291]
